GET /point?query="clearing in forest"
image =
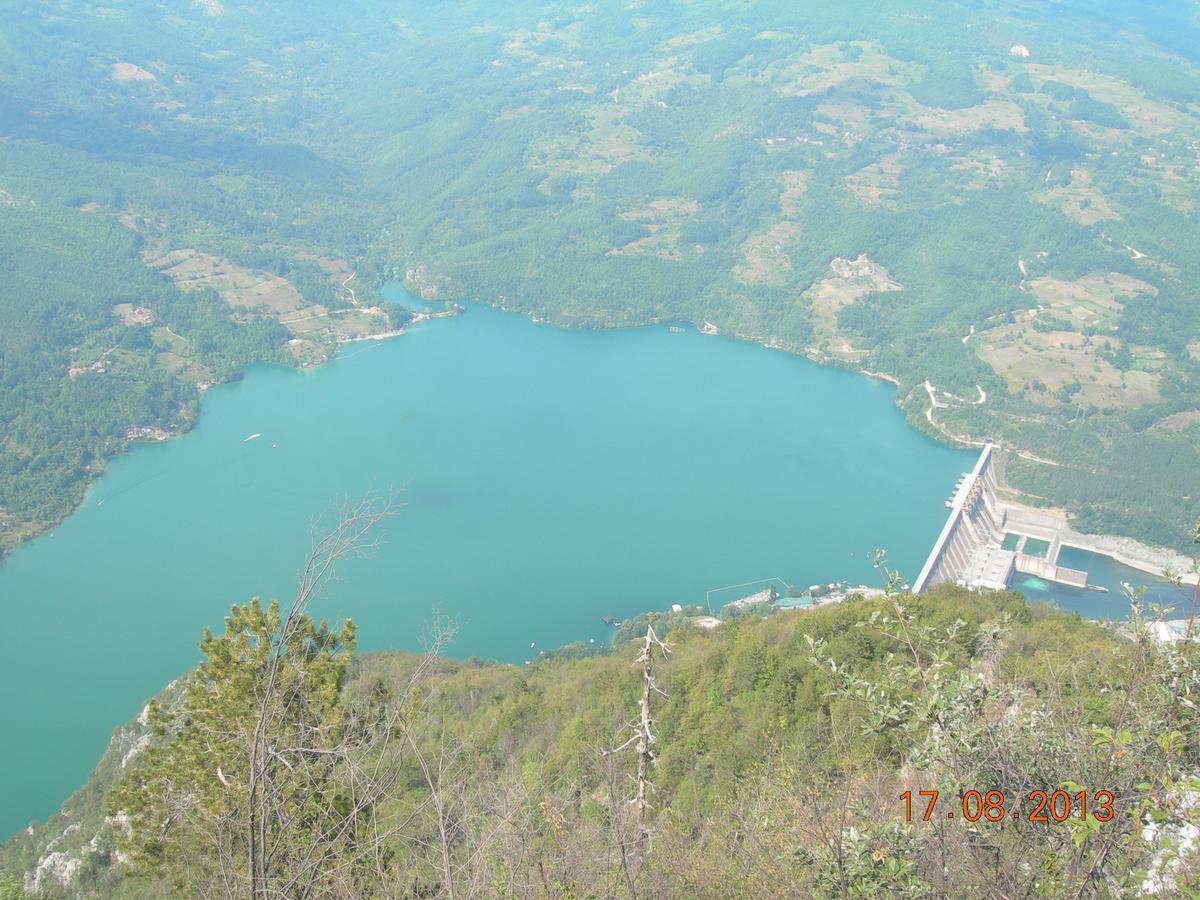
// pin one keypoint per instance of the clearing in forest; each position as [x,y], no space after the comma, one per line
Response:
[661,219]
[877,184]
[1176,179]
[1180,421]
[848,280]
[855,119]
[530,46]
[795,183]
[997,115]
[1148,117]
[608,140]
[983,169]
[241,288]
[133,315]
[250,291]
[1079,200]
[1093,301]
[826,66]
[1036,364]
[765,259]
[123,71]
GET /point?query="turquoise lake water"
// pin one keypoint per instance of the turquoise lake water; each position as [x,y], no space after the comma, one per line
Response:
[548,478]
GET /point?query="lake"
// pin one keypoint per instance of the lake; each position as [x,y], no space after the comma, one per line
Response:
[548,478]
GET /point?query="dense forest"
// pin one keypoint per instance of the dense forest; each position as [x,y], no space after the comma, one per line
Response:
[782,752]
[993,203]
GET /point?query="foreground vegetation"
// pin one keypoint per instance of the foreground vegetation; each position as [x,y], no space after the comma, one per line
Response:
[783,746]
[879,186]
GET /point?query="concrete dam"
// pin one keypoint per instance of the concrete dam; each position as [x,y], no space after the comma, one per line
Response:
[984,541]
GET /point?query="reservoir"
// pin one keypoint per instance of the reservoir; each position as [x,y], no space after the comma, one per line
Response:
[546,478]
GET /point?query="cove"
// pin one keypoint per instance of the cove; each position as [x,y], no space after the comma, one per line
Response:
[548,478]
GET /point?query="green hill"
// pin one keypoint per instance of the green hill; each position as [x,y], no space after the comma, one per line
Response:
[783,747]
[994,205]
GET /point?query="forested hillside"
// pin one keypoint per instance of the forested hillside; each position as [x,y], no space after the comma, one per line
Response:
[993,203]
[782,748]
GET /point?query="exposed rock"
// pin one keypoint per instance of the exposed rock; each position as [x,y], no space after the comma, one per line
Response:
[123,71]
[138,746]
[54,868]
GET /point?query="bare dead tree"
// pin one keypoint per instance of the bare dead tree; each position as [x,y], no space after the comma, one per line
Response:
[642,740]
[350,537]
[466,817]
[346,835]
[1194,534]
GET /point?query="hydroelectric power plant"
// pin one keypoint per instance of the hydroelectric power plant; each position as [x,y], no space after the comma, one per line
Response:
[984,542]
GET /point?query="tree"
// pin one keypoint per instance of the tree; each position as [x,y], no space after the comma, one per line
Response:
[963,727]
[218,771]
[399,315]
[261,780]
[11,887]
[641,740]
[1193,533]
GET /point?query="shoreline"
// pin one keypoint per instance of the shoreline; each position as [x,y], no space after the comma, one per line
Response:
[1125,550]
[417,318]
[138,434]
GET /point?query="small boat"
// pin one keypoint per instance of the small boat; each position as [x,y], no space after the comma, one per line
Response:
[610,620]
[253,437]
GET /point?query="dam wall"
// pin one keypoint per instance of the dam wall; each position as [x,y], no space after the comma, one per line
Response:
[971,551]
[984,542]
[968,548]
